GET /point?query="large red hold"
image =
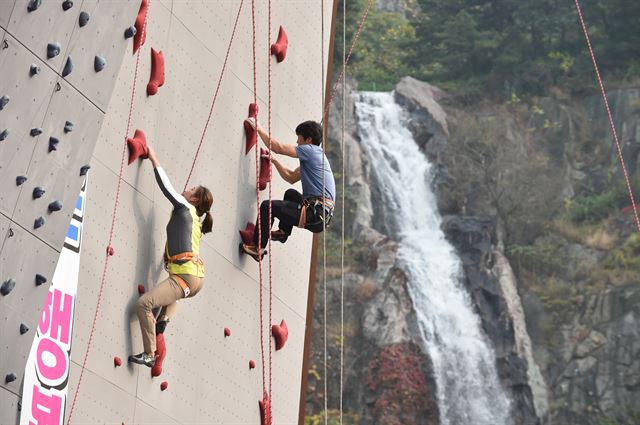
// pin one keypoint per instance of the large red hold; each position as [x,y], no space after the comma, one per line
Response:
[279,48]
[247,234]
[161,353]
[141,27]
[157,72]
[265,169]
[249,131]
[265,410]
[137,146]
[280,333]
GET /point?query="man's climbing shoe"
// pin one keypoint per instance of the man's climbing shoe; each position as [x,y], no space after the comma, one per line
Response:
[143,358]
[279,236]
[252,251]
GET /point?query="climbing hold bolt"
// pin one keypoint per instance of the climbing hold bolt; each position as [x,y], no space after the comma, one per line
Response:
[34,5]
[34,70]
[38,192]
[66,5]
[129,32]
[54,206]
[99,63]
[40,279]
[227,332]
[83,19]
[4,134]
[38,223]
[35,132]
[68,67]
[164,385]
[20,180]
[3,101]
[68,127]
[53,142]
[84,169]
[141,289]
[110,251]
[10,377]
[23,329]
[53,50]
[117,361]
[7,286]
[252,364]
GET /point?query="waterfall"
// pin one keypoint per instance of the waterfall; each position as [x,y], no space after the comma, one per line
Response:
[468,389]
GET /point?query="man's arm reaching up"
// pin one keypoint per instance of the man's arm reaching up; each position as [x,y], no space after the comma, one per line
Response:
[276,146]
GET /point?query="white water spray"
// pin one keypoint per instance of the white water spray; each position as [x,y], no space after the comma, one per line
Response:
[468,388]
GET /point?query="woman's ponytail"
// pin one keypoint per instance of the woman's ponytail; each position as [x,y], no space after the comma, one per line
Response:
[203,206]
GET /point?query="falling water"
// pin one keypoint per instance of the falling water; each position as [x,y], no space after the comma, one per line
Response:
[468,388]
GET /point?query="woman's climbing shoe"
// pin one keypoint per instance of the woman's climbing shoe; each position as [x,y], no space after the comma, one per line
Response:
[279,236]
[143,358]
[253,251]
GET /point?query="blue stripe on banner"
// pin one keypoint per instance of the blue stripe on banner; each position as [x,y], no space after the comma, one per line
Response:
[79,203]
[73,232]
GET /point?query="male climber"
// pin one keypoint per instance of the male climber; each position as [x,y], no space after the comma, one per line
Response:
[313,208]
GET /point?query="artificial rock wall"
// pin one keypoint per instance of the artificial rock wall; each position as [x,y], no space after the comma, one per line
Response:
[208,374]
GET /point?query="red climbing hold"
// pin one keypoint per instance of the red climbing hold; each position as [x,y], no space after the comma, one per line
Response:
[279,48]
[141,31]
[227,332]
[161,353]
[265,409]
[265,165]
[141,289]
[137,146]
[110,251]
[252,364]
[164,385]
[157,72]
[249,130]
[280,333]
[117,361]
[247,234]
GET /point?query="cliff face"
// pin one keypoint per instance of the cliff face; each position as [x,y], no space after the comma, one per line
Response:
[563,322]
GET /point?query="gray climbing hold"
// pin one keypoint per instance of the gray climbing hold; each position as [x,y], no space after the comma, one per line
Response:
[99,63]
[53,142]
[68,67]
[53,50]
[34,70]
[34,5]
[3,101]
[4,134]
[66,5]
[23,329]
[68,127]
[83,19]
[54,206]
[38,223]
[130,32]
[10,377]
[40,279]
[7,287]
[20,180]
[35,132]
[84,169]
[38,192]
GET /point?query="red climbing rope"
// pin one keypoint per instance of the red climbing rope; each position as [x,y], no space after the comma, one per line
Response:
[109,250]
[270,418]
[334,89]
[215,96]
[606,105]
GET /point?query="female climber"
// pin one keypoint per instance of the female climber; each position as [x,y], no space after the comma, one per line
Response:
[186,269]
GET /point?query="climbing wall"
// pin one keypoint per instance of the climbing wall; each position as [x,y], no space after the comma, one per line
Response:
[208,374]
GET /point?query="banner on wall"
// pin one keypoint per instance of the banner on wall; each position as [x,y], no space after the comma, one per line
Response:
[46,375]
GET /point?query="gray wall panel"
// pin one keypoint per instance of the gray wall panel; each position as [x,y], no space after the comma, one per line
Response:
[102,36]
[149,415]
[48,24]
[9,413]
[30,97]
[6,7]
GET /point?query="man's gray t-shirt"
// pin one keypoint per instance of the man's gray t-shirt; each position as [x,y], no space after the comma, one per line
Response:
[311,173]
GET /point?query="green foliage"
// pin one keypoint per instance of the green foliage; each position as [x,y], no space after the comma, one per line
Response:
[593,208]
[625,416]
[333,418]
[546,256]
